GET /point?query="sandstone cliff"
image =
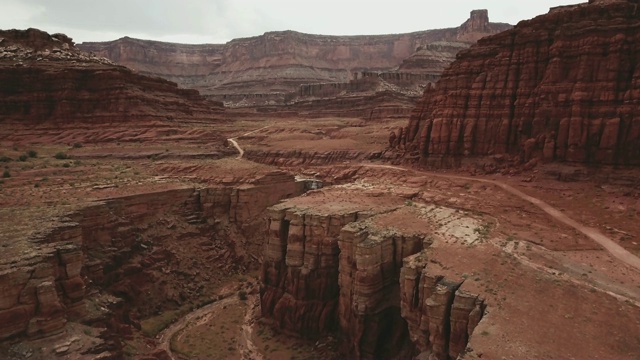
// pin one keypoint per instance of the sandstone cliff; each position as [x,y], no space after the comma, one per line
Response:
[108,264]
[276,63]
[344,263]
[44,79]
[562,86]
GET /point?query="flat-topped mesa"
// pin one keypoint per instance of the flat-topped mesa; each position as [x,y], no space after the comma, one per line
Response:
[277,63]
[562,86]
[44,78]
[478,22]
[35,39]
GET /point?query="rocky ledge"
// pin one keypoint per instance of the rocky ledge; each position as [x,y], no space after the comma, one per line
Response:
[562,86]
[344,263]
[45,79]
[265,69]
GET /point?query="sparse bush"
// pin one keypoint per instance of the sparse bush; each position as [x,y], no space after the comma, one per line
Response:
[242,295]
[66,165]
[6,174]
[61,156]
[77,146]
[23,157]
[36,185]
[32,154]
[5,159]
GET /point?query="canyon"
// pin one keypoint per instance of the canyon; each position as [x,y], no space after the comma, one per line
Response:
[279,67]
[493,216]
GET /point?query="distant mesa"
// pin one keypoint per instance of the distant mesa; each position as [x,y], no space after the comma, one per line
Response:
[272,68]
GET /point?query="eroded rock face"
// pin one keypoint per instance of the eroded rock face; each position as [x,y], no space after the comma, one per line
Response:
[44,79]
[130,247]
[341,266]
[300,270]
[369,311]
[441,316]
[265,68]
[562,86]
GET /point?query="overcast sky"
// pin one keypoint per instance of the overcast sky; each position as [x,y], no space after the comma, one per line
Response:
[218,21]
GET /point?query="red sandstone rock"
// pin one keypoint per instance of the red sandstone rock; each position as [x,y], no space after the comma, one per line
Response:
[42,83]
[440,315]
[561,86]
[265,68]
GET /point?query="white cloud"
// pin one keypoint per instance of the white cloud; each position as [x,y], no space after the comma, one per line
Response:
[217,21]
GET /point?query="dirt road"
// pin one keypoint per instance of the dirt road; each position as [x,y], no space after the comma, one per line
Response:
[235,144]
[612,247]
[234,141]
[246,347]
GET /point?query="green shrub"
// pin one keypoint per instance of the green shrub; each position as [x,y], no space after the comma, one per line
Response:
[32,153]
[61,156]
[6,174]
[66,165]
[77,146]
[242,295]
[23,157]
[5,159]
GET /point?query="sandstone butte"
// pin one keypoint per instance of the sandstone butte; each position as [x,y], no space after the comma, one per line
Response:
[560,87]
[274,66]
[145,243]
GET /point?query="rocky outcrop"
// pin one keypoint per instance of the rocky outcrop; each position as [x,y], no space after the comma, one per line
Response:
[42,292]
[343,264]
[120,246]
[47,80]
[432,59]
[292,158]
[562,86]
[380,105]
[441,316]
[278,62]
[300,270]
[369,307]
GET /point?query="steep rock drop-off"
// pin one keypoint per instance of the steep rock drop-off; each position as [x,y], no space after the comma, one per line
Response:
[113,264]
[338,261]
[45,80]
[562,86]
[265,68]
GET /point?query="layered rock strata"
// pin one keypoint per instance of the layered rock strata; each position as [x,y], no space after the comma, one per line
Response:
[117,246]
[47,80]
[369,307]
[441,316]
[338,266]
[277,63]
[562,86]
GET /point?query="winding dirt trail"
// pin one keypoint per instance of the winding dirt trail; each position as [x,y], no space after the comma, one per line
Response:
[612,247]
[235,144]
[203,315]
[167,334]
